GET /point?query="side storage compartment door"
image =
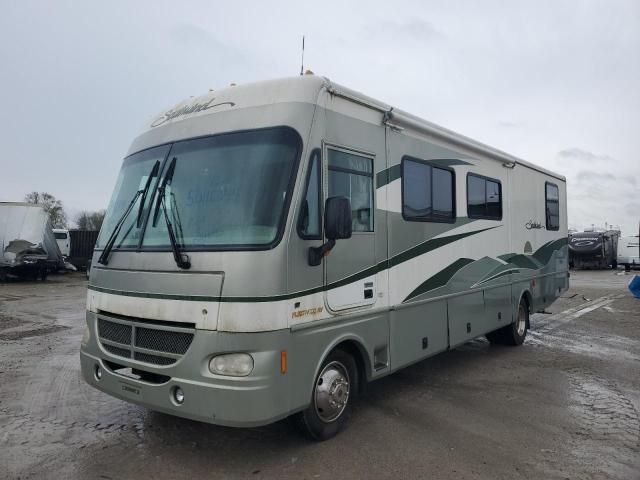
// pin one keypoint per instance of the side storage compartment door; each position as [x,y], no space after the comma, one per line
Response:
[498,308]
[466,317]
[418,331]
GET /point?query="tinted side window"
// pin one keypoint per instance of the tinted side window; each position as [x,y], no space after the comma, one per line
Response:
[442,189]
[552,206]
[351,176]
[484,197]
[427,192]
[416,184]
[494,204]
[310,215]
[475,197]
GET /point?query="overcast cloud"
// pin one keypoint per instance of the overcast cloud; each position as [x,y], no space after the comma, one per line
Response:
[553,82]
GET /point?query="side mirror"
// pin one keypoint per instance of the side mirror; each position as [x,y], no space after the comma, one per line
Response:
[337,218]
[337,225]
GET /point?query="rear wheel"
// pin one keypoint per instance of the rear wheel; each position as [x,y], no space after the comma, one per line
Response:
[332,398]
[514,333]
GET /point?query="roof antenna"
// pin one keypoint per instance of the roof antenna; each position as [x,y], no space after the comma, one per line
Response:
[302,61]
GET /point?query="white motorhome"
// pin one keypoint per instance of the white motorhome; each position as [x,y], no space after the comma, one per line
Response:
[63,240]
[270,248]
[629,252]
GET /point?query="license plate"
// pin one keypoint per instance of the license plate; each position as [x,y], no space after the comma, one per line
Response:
[132,391]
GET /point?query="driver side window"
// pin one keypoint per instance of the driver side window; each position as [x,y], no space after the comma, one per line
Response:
[309,226]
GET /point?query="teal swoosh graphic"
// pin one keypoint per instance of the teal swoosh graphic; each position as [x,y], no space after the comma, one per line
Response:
[420,249]
[536,261]
[440,279]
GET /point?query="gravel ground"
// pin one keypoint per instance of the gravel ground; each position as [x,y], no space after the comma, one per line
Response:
[564,405]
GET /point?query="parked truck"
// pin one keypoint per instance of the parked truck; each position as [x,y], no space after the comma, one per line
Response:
[28,247]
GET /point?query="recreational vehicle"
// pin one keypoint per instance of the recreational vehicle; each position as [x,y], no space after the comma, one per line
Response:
[629,252]
[271,248]
[593,249]
[28,247]
[63,239]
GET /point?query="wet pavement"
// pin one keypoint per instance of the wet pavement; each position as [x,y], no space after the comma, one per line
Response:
[564,405]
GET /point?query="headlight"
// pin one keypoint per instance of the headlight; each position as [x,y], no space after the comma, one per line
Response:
[86,336]
[233,364]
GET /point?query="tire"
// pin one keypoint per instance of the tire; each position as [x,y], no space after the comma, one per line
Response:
[332,398]
[514,333]
[614,265]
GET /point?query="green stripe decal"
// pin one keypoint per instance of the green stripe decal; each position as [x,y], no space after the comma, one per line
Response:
[432,244]
[420,249]
[440,279]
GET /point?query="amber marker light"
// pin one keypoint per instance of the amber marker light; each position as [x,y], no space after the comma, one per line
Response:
[283,362]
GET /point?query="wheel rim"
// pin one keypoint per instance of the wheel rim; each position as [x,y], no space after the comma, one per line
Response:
[332,392]
[522,320]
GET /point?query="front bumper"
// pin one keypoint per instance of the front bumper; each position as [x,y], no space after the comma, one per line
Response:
[258,399]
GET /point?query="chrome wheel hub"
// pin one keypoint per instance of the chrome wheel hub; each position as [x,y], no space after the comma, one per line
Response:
[522,320]
[331,392]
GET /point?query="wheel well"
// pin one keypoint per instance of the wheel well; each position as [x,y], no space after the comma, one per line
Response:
[357,351]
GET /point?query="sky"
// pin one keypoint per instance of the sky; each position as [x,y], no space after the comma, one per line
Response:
[554,82]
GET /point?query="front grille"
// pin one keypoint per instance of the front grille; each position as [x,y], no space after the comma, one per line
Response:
[120,352]
[155,359]
[116,332]
[145,341]
[163,341]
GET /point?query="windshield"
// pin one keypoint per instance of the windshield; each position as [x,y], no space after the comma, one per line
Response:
[226,191]
[132,177]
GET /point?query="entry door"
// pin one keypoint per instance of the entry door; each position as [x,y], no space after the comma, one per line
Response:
[350,267]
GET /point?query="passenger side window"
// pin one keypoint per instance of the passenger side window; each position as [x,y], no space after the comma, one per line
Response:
[427,192]
[310,212]
[484,197]
[351,176]
[552,206]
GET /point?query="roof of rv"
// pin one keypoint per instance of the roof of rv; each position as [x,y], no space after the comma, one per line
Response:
[306,89]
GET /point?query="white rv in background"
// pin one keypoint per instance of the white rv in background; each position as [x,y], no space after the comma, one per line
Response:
[629,252]
[63,240]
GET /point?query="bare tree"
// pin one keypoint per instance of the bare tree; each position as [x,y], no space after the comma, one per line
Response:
[90,220]
[51,205]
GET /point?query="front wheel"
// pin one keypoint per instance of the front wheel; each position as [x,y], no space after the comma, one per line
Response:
[332,398]
[514,333]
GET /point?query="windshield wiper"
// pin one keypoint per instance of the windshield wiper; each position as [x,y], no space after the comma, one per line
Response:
[181,259]
[104,257]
